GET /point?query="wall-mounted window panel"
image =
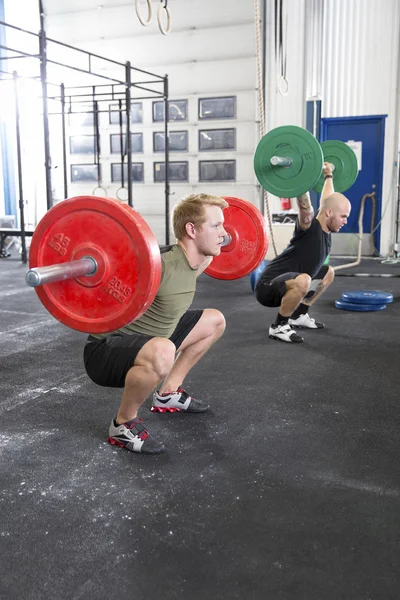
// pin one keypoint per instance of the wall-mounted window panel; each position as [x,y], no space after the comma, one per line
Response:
[114,114]
[137,172]
[217,170]
[178,141]
[136,143]
[217,139]
[217,108]
[84,173]
[178,171]
[81,119]
[82,144]
[177,110]
[136,113]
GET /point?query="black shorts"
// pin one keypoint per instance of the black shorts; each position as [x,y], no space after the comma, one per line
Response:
[270,293]
[108,360]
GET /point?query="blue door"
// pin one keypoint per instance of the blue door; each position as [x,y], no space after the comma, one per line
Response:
[366,136]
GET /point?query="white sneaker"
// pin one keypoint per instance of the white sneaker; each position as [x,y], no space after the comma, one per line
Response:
[178,401]
[306,321]
[284,333]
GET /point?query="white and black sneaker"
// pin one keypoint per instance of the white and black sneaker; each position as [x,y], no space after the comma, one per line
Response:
[178,401]
[306,321]
[285,333]
[133,436]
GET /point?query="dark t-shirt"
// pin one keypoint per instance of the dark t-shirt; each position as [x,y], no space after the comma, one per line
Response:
[306,253]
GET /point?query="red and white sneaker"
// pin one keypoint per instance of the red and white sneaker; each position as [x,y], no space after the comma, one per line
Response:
[133,436]
[178,401]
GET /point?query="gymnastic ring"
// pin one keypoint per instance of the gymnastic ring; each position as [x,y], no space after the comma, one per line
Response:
[149,11]
[100,187]
[167,29]
[118,194]
[283,85]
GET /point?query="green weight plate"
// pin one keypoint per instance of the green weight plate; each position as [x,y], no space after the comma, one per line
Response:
[346,165]
[304,150]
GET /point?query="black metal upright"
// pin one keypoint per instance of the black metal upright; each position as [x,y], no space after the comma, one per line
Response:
[166,146]
[146,92]
[264,79]
[19,163]
[64,141]
[128,145]
[122,147]
[43,78]
[96,137]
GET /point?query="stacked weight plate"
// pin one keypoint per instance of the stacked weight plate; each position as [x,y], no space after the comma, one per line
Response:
[365,301]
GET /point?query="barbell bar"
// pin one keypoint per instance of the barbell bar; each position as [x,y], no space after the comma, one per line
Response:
[280,161]
[75,268]
[96,265]
[288,162]
[84,267]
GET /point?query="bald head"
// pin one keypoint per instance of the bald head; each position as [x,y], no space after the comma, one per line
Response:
[334,201]
[335,210]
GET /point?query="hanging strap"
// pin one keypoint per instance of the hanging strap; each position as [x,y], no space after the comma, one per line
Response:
[261,109]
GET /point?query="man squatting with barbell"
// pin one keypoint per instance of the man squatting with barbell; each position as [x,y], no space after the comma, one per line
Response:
[162,345]
[296,278]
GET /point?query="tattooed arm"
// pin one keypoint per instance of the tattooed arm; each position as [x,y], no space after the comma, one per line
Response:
[306,211]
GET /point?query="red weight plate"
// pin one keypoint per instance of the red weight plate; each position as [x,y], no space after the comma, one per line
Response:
[126,252]
[246,226]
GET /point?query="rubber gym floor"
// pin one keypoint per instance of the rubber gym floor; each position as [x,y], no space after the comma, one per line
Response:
[289,488]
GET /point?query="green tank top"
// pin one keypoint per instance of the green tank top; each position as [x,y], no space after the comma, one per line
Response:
[174,296]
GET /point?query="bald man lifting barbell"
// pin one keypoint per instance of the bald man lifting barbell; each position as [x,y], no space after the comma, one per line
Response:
[288,162]
[296,278]
[134,301]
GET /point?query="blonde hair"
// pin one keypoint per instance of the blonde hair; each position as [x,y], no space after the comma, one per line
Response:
[192,210]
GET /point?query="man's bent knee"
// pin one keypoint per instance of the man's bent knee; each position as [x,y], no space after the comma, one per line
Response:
[158,355]
[215,318]
[302,283]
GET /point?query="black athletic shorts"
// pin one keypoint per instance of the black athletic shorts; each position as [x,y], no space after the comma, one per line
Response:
[108,360]
[270,293]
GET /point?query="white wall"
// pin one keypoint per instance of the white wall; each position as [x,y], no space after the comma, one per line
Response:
[2,203]
[361,77]
[210,52]
[345,53]
[285,105]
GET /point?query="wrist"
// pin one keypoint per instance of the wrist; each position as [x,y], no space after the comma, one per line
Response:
[328,176]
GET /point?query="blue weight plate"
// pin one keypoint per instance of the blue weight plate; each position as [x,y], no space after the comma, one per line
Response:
[358,307]
[255,275]
[368,297]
